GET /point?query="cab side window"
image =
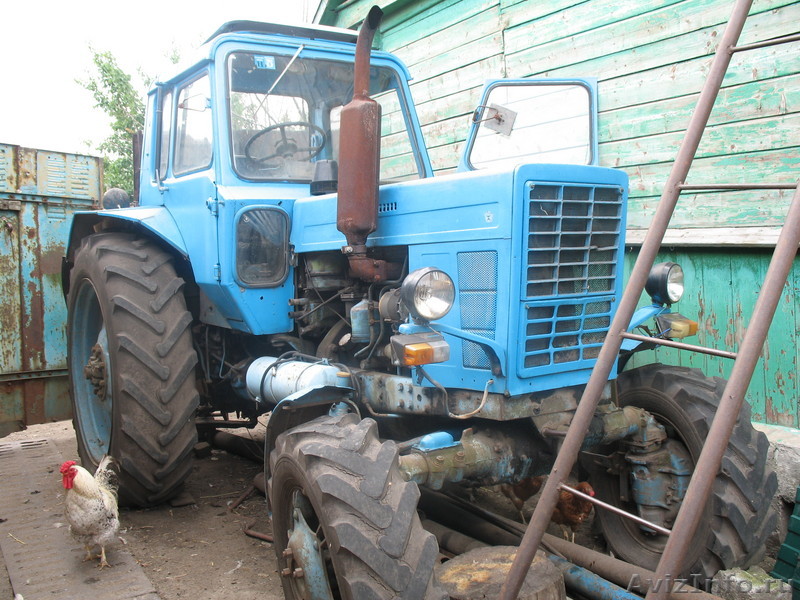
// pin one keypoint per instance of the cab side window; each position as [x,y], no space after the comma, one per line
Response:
[193,149]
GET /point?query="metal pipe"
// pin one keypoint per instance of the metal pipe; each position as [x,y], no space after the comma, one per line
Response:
[444,511]
[739,186]
[608,354]
[618,571]
[678,345]
[614,509]
[589,584]
[766,43]
[359,165]
[708,464]
[490,528]
[236,444]
[615,570]
[452,540]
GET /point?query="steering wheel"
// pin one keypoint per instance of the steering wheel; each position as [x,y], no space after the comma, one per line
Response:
[286,147]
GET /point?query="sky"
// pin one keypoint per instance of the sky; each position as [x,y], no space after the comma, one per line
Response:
[45,48]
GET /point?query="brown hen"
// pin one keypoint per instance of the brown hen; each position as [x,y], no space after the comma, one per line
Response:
[570,510]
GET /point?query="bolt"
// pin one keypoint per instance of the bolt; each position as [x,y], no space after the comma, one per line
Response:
[287,553]
[439,459]
[298,573]
[286,572]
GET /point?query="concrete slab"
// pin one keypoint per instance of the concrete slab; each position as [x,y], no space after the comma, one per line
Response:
[42,559]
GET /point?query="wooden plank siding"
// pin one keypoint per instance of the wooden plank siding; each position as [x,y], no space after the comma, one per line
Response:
[722,288]
[651,58]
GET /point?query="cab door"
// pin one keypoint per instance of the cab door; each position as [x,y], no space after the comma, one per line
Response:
[188,186]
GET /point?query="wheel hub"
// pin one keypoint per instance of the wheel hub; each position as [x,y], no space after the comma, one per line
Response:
[95,371]
[304,563]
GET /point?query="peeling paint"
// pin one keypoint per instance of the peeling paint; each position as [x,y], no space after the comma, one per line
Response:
[724,289]
[32,310]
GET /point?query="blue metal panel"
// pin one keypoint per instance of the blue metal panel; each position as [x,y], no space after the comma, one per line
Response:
[586,226]
[468,206]
[478,228]
[158,220]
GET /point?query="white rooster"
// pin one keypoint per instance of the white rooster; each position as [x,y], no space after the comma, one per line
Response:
[91,505]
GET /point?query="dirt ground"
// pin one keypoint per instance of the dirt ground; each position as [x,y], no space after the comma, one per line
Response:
[199,550]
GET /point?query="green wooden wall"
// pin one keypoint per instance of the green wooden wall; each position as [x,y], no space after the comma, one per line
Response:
[722,286]
[650,58]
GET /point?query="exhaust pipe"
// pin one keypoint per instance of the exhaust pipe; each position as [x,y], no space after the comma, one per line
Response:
[359,165]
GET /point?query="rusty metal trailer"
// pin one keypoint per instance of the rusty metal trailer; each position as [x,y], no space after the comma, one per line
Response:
[39,192]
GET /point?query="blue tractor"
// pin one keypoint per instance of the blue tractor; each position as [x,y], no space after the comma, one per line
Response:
[291,253]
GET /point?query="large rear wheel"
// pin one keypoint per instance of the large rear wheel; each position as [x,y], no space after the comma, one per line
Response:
[738,517]
[344,520]
[131,365]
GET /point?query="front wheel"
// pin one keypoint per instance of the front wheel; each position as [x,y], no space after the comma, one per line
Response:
[344,520]
[131,365]
[738,517]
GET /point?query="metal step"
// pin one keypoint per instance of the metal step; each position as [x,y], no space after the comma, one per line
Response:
[42,559]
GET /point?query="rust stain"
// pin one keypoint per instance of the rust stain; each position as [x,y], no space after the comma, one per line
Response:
[50,260]
[772,416]
[33,305]
[735,335]
[708,327]
[706,322]
[780,382]
[33,395]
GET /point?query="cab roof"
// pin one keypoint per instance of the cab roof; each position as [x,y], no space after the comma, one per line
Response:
[314,32]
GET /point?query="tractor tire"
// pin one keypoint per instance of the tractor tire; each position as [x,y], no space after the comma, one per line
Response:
[344,521]
[738,517]
[131,365]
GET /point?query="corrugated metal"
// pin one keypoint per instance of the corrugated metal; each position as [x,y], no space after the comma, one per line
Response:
[39,192]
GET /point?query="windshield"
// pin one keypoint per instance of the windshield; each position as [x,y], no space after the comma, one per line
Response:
[533,122]
[284,116]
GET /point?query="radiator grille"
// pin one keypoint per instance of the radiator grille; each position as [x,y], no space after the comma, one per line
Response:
[477,293]
[573,235]
[565,333]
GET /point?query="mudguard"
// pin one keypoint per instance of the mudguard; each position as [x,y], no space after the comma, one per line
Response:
[155,221]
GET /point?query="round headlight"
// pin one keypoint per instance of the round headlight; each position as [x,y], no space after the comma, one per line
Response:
[665,283]
[428,293]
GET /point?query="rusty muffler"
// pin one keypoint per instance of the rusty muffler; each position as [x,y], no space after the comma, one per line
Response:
[359,164]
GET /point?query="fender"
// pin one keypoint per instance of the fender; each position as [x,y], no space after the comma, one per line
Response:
[154,221]
[640,316]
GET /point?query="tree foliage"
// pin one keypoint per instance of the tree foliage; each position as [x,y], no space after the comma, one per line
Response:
[115,94]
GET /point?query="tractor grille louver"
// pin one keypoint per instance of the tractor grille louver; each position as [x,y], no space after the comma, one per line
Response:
[573,235]
[477,293]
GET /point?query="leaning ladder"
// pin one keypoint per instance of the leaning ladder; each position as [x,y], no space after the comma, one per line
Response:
[710,458]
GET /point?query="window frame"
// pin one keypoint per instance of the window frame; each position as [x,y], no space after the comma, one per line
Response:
[285,231]
[176,126]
